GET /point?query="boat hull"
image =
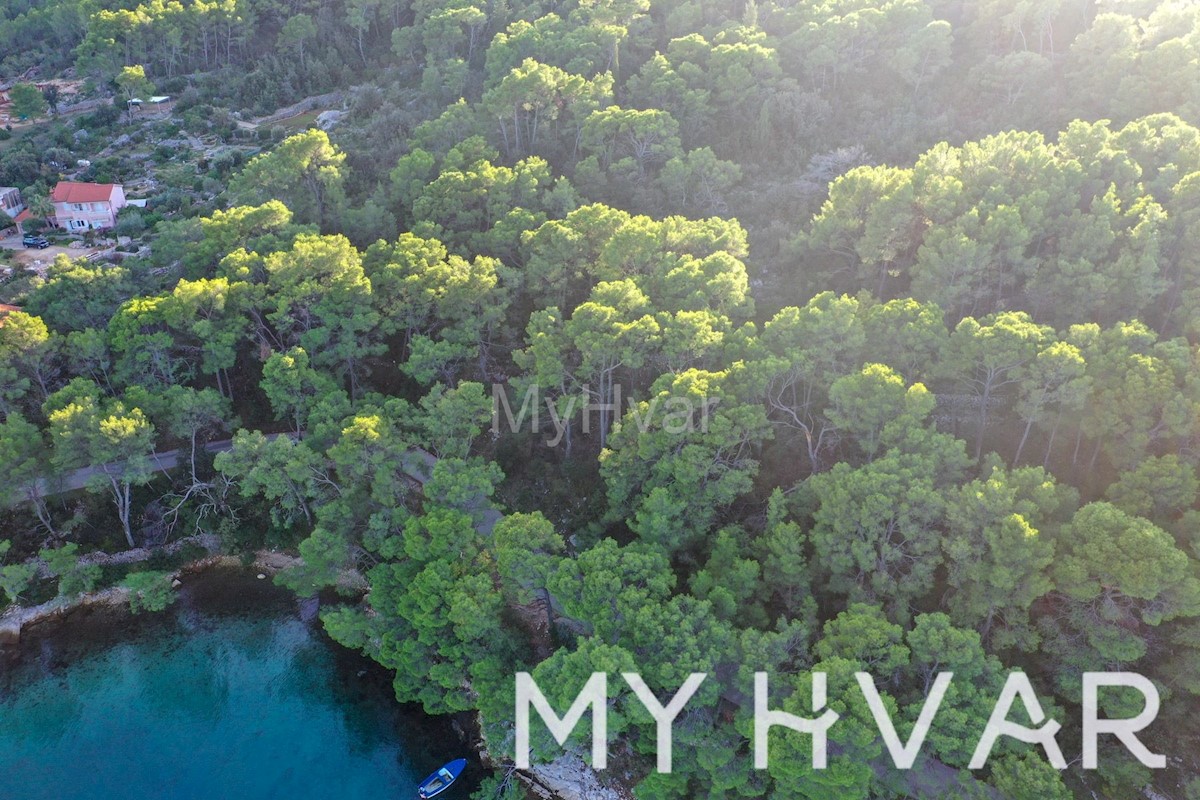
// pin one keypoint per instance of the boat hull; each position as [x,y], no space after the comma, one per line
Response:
[442,779]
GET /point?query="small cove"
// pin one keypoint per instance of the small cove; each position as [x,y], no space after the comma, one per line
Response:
[234,692]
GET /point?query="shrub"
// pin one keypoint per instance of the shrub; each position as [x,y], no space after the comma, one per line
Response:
[130,223]
[149,591]
[73,578]
[15,579]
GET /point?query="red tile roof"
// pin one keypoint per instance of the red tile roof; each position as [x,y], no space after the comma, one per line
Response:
[70,192]
[23,216]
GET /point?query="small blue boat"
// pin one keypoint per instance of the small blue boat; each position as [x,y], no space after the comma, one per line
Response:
[440,781]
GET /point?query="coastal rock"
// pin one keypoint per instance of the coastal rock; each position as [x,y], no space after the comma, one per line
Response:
[310,608]
[569,778]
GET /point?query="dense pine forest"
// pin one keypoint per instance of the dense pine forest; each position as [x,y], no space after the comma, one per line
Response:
[861,336]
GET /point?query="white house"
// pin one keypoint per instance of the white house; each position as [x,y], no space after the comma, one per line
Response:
[10,201]
[87,206]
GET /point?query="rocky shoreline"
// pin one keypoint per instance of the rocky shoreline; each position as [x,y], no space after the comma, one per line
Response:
[17,618]
[569,778]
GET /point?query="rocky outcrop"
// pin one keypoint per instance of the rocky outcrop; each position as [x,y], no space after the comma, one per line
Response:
[569,778]
[303,107]
[329,119]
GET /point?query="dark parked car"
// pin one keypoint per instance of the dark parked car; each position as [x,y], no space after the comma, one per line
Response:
[39,242]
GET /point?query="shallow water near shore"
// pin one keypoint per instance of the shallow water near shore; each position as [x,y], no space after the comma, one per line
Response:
[235,692]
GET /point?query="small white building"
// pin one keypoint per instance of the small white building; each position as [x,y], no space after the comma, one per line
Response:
[10,201]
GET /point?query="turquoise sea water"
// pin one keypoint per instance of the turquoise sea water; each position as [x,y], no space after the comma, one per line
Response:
[207,702]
